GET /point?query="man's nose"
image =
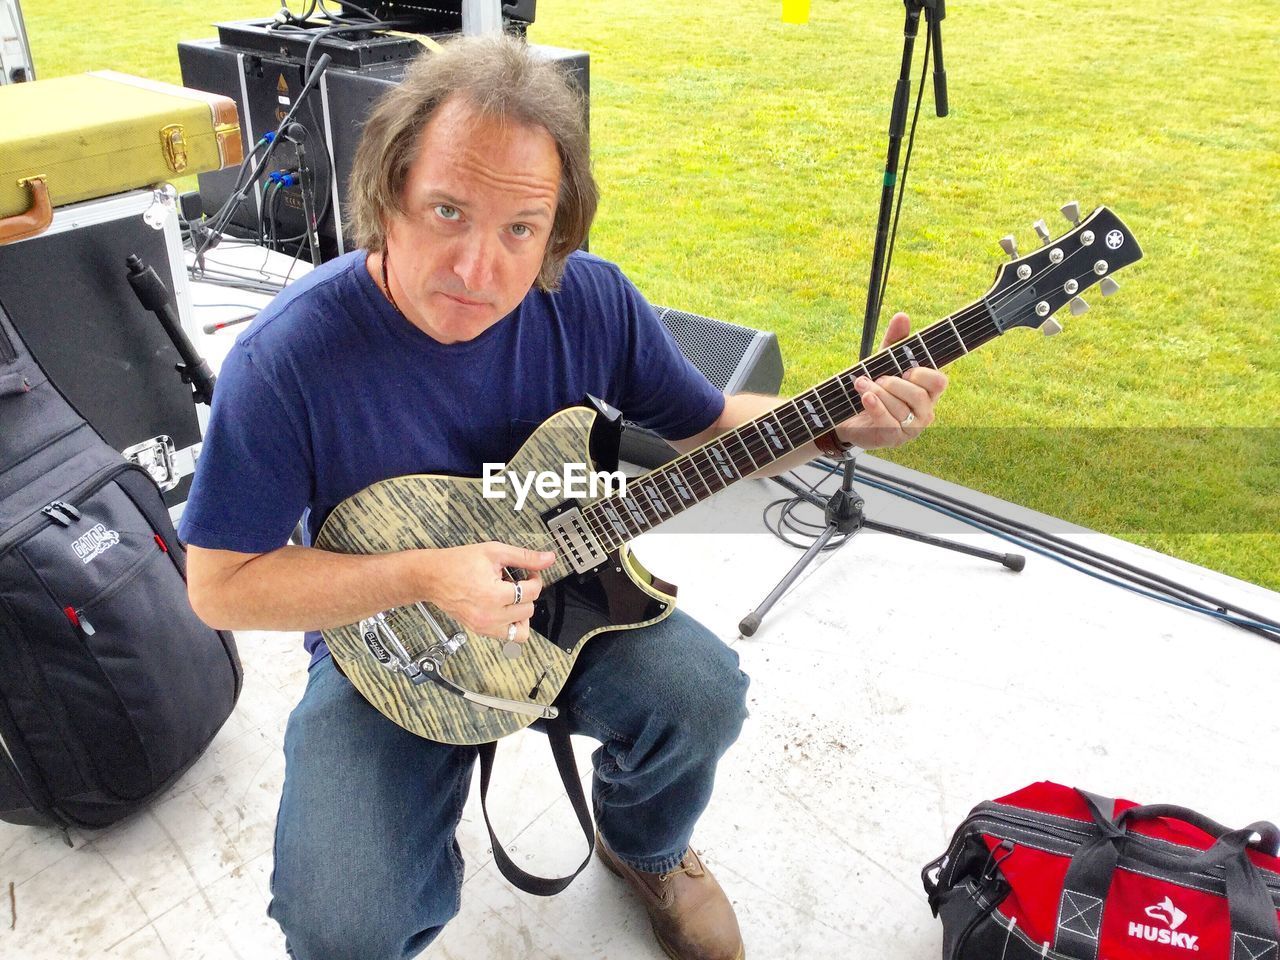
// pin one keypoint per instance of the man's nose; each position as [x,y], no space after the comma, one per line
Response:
[476,261]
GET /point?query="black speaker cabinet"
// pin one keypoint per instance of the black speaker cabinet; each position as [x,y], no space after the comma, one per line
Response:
[734,358]
[264,82]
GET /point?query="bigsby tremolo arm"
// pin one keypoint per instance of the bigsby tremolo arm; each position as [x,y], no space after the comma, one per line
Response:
[385,645]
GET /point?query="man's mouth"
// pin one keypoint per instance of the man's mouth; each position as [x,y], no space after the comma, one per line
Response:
[463,300]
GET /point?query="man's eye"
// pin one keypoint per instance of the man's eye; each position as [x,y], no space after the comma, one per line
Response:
[521,229]
[446,212]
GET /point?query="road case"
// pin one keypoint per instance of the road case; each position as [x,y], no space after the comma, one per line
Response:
[77,138]
[67,292]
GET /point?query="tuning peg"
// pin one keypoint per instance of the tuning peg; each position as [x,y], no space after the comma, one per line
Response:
[1042,230]
[1050,327]
[1078,306]
[1009,245]
[1071,210]
[1108,286]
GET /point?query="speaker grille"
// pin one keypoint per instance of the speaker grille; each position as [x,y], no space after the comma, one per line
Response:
[716,348]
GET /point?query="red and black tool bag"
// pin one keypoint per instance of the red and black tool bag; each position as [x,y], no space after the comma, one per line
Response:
[1054,872]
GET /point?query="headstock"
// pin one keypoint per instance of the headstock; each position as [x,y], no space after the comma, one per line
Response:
[1029,289]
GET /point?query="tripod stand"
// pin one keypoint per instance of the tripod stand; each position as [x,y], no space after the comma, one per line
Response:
[843,510]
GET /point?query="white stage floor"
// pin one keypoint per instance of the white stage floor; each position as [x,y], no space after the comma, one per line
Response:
[896,687]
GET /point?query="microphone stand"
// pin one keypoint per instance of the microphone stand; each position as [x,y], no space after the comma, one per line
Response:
[843,510]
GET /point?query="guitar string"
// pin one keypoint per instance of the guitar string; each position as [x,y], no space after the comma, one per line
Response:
[963,319]
[828,395]
[967,321]
[933,339]
[966,318]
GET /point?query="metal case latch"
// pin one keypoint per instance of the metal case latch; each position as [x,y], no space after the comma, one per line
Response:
[156,456]
[173,140]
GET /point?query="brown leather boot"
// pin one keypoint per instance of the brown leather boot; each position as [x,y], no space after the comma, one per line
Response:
[690,915]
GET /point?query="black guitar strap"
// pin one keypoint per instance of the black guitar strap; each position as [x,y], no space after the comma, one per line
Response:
[558,735]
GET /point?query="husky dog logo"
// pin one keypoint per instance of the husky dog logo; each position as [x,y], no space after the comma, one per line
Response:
[95,543]
[1170,918]
[1166,911]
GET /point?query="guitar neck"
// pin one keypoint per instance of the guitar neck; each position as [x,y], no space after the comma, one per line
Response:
[693,477]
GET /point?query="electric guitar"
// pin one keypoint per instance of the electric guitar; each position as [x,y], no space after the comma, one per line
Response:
[441,681]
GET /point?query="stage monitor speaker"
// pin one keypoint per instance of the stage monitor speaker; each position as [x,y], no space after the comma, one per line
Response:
[734,358]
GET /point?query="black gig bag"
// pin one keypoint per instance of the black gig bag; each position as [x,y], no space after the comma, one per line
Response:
[110,685]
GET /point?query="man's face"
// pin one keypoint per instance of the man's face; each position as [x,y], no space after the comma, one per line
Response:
[479,201]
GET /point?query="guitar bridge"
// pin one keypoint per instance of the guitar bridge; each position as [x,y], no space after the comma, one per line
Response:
[385,645]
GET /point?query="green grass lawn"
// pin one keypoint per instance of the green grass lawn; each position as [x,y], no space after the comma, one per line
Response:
[740,161]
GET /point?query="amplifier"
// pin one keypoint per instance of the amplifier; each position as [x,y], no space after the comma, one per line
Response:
[734,358]
[264,83]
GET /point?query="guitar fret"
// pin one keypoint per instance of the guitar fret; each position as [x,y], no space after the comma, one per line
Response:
[636,509]
[610,510]
[742,442]
[813,413]
[681,493]
[773,440]
[698,469]
[925,347]
[723,463]
[841,405]
[650,490]
[598,531]
[827,413]
[757,426]
[796,430]
[849,396]
[681,481]
[957,333]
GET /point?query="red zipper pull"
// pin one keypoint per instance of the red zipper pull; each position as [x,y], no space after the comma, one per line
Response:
[160,542]
[79,620]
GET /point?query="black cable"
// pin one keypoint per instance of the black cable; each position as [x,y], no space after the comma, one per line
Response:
[787,507]
[1263,628]
[205,234]
[902,181]
[1148,584]
[310,80]
[1086,554]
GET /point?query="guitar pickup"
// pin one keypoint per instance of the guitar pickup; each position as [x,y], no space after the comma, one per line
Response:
[575,540]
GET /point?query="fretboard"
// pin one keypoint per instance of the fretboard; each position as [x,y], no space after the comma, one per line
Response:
[657,496]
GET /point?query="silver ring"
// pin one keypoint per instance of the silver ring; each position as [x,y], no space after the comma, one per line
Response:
[511,633]
[519,592]
[908,419]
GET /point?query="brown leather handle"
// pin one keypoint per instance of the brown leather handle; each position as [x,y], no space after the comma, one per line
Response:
[37,217]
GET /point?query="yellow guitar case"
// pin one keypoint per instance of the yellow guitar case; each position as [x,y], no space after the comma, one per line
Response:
[87,136]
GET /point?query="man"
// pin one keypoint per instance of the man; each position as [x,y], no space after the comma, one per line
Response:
[466,318]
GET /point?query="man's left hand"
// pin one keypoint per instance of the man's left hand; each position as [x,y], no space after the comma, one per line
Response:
[895,409]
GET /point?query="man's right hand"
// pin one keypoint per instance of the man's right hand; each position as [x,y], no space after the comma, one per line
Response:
[468,584]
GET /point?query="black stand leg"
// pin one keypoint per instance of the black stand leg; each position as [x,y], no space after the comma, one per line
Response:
[843,510]
[844,515]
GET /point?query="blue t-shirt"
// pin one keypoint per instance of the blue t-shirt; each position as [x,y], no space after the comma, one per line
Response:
[331,389]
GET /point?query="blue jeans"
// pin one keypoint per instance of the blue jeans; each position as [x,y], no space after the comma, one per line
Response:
[366,864]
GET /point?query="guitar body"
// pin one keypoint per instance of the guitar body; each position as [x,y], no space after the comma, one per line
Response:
[440,511]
